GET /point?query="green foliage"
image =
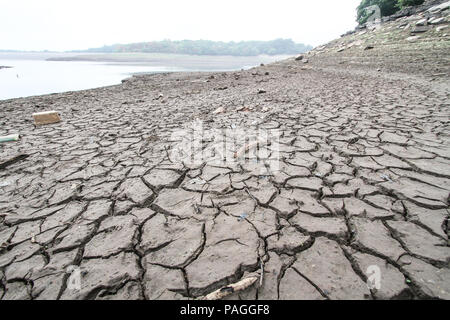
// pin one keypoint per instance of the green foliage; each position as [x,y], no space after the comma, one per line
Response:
[407,3]
[387,7]
[206,47]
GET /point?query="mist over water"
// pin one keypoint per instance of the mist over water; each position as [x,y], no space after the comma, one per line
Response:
[32,75]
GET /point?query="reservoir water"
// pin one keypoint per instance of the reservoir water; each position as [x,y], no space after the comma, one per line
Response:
[31,74]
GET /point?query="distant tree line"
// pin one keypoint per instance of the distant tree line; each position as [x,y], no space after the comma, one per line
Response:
[207,47]
[387,7]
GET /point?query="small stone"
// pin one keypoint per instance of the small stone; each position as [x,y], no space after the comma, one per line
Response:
[219,110]
[438,21]
[419,29]
[422,22]
[412,38]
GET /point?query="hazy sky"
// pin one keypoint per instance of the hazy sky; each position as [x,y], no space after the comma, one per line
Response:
[81,24]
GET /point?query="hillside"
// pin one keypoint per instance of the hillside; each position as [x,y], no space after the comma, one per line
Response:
[206,47]
[352,182]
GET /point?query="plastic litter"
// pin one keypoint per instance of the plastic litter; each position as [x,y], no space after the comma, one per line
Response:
[197,181]
[242,217]
[11,137]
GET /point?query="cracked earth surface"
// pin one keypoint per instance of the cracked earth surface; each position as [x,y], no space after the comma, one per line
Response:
[364,179]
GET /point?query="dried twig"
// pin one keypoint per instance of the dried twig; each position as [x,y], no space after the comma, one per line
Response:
[235,287]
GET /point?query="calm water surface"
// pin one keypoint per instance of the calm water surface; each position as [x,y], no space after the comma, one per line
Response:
[32,75]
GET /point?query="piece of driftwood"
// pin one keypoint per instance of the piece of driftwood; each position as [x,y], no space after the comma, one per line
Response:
[235,287]
[10,161]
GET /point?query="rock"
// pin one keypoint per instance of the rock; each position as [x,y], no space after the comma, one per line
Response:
[46,117]
[299,58]
[440,7]
[422,22]
[438,20]
[340,49]
[419,29]
[439,29]
[305,60]
[368,48]
[412,38]
[219,110]
[261,91]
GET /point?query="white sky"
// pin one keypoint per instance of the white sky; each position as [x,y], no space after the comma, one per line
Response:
[61,25]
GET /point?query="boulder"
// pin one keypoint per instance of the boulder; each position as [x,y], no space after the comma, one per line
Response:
[419,29]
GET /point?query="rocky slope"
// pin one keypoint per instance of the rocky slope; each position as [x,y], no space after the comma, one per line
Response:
[360,182]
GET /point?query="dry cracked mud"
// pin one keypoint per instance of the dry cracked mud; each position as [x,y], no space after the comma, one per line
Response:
[363,180]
